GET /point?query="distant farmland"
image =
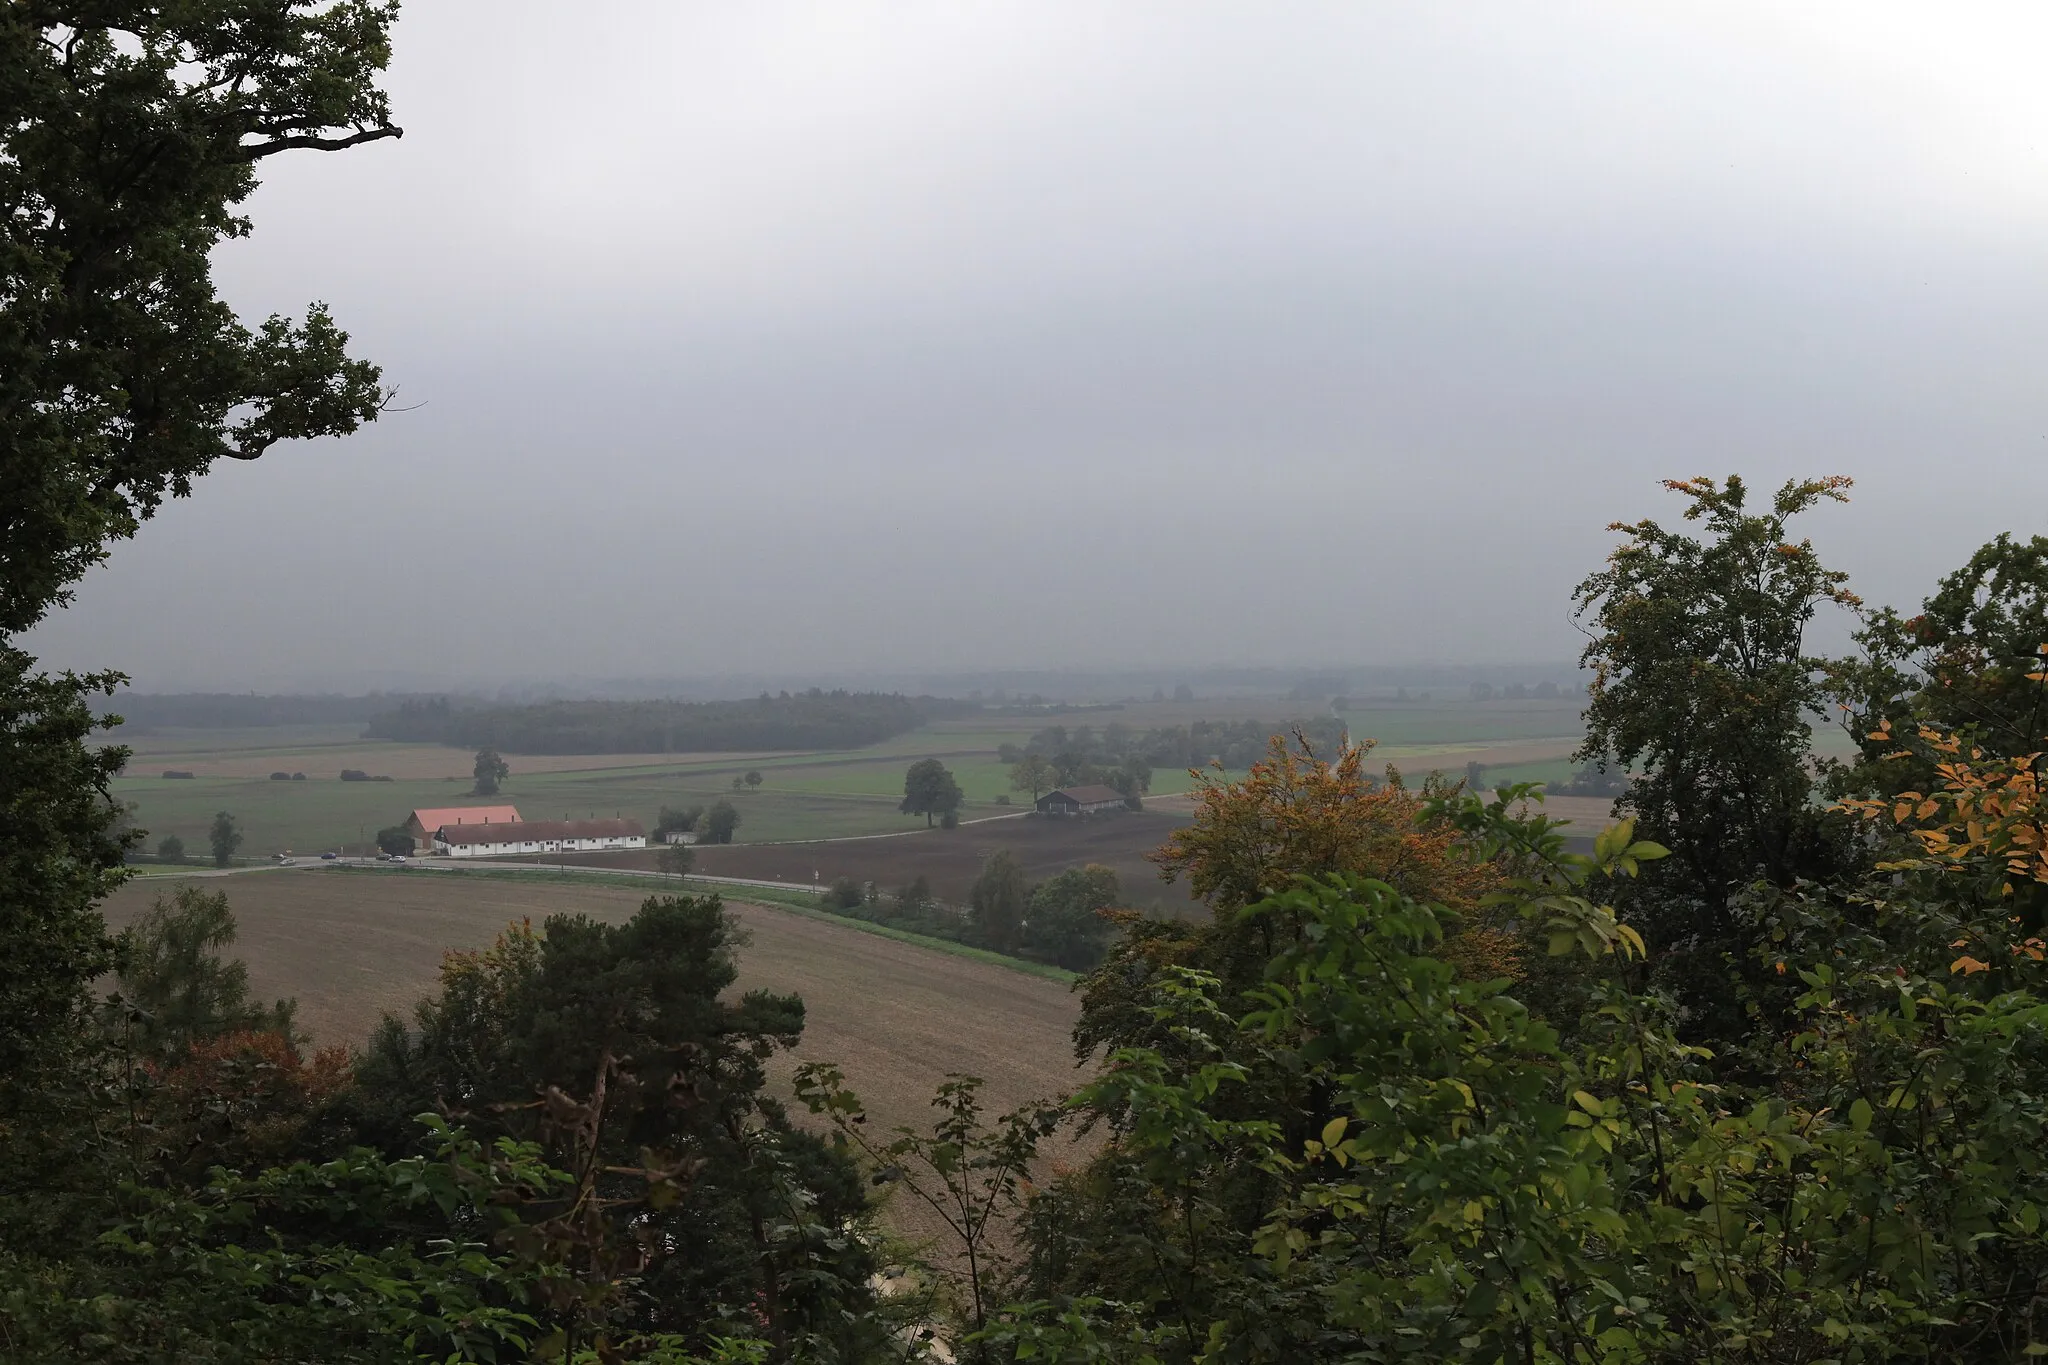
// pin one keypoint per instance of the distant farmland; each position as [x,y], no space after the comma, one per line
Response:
[951,859]
[812,795]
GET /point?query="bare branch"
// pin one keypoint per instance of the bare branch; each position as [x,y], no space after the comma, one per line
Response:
[258,151]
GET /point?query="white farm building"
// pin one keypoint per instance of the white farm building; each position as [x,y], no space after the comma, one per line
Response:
[502,838]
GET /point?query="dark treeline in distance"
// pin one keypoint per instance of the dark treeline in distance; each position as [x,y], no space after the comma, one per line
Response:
[142,712]
[806,720]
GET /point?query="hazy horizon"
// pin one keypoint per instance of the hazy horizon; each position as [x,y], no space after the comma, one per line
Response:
[836,339]
[1077,684]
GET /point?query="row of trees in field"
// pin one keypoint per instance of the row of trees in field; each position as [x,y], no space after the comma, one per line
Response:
[806,720]
[1066,921]
[224,838]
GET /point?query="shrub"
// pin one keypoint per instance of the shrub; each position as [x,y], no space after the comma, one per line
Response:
[280,777]
[354,775]
[845,894]
[171,849]
[1003,800]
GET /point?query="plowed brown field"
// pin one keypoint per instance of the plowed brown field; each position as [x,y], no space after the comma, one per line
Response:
[950,859]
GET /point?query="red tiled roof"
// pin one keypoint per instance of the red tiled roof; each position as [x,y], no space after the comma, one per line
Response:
[433,818]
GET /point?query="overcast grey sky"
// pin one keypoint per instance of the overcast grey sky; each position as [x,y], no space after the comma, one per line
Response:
[833,336]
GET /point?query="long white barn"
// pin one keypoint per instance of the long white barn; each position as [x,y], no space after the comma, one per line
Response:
[501,838]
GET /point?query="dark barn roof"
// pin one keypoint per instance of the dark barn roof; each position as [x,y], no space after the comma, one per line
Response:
[540,831]
[1087,796]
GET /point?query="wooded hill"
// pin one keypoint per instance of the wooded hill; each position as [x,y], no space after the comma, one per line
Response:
[806,720]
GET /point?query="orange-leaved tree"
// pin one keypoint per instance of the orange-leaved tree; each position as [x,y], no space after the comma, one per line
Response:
[242,1099]
[1297,815]
[1979,833]
[1293,815]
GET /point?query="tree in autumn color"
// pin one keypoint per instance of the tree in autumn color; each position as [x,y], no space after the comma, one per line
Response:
[1964,665]
[1294,815]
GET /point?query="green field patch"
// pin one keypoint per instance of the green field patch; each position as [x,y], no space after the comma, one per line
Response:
[1553,771]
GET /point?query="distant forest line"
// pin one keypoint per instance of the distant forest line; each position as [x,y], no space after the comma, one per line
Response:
[805,720]
[142,712]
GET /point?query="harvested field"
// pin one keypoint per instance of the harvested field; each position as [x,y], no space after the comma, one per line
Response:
[951,858]
[896,1017]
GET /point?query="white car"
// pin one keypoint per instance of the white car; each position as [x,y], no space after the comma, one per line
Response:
[398,857]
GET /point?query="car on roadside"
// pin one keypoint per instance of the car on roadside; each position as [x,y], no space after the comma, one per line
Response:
[329,857]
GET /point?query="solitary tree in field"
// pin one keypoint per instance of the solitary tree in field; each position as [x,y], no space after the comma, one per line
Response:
[677,859]
[171,850]
[1032,774]
[738,781]
[490,771]
[225,838]
[929,790]
[753,779]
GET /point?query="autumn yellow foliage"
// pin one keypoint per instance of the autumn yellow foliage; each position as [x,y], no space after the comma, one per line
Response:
[1295,814]
[1987,809]
[1986,816]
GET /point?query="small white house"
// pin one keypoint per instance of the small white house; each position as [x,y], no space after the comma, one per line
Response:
[680,836]
[501,839]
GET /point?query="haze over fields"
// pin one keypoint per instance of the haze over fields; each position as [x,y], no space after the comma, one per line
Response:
[799,338]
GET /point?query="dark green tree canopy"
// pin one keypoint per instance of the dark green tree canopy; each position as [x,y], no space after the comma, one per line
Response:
[719,823]
[491,770]
[225,837]
[997,901]
[132,131]
[929,790]
[181,988]
[1702,685]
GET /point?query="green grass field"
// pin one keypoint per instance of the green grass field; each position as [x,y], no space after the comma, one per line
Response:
[820,795]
